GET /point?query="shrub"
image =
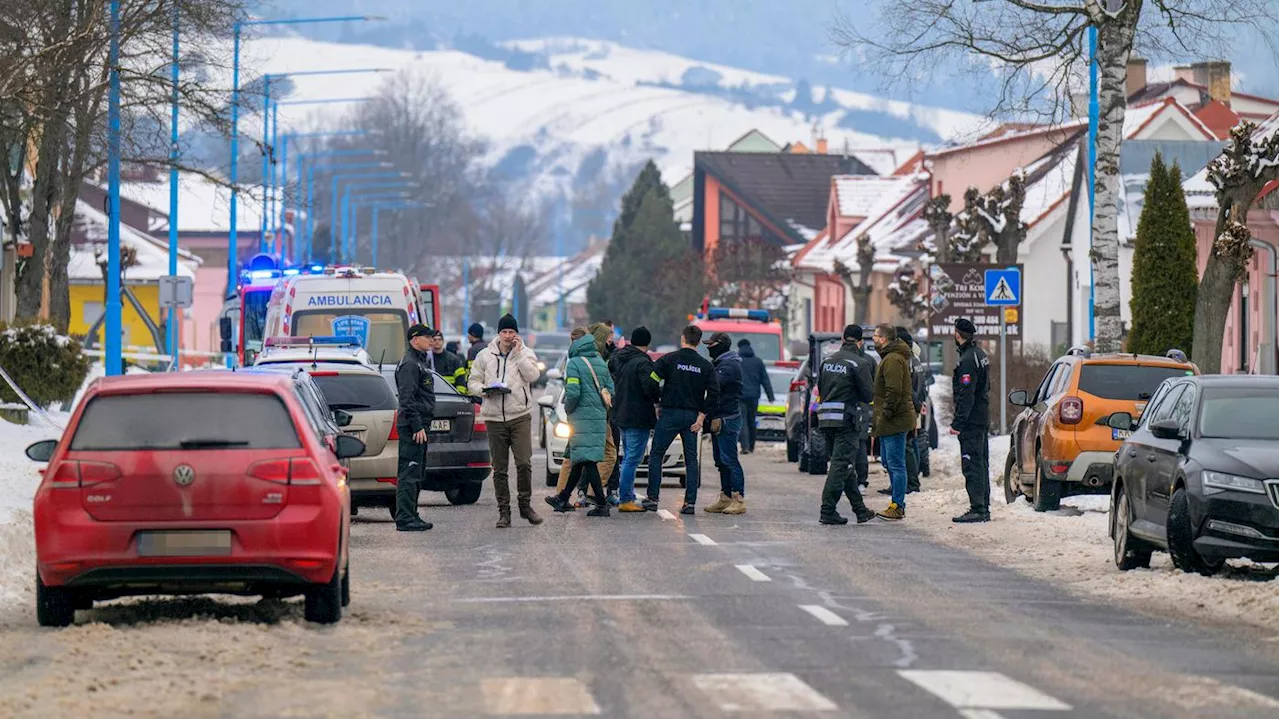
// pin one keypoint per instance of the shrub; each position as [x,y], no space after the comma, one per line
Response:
[47,366]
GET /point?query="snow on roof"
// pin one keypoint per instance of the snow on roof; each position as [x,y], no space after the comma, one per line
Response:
[1051,187]
[1201,194]
[860,195]
[890,225]
[203,205]
[152,257]
[1137,119]
[570,276]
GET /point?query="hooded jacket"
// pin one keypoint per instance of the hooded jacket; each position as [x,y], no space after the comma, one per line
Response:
[637,390]
[517,370]
[583,403]
[895,412]
[755,377]
[729,377]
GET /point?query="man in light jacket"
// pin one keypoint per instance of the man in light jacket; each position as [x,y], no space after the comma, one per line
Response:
[503,373]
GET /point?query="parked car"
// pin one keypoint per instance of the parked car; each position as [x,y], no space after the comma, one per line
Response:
[1061,444]
[1197,476]
[771,417]
[192,483]
[548,359]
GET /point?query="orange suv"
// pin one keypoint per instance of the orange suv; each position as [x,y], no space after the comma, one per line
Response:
[1060,443]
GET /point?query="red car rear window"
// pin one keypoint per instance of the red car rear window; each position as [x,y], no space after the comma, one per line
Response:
[185,420]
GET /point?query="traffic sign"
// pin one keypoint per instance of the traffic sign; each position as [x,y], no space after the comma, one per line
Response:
[960,290]
[1003,287]
[176,291]
[1011,315]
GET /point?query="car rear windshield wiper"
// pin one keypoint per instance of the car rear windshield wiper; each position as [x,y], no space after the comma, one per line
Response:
[348,405]
[212,443]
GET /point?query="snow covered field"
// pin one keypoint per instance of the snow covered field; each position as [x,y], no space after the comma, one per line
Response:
[1071,547]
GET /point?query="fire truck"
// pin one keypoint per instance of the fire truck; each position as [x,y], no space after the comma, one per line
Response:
[754,325]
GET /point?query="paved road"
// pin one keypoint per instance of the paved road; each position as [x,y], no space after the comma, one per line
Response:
[654,616]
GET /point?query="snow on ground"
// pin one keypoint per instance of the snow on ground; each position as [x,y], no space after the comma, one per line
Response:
[18,480]
[1071,547]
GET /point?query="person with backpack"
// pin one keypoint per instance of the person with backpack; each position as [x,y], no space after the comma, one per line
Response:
[588,394]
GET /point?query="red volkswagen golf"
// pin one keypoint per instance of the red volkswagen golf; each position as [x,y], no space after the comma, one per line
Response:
[192,483]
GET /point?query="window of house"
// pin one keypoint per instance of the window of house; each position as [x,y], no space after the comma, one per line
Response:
[736,224]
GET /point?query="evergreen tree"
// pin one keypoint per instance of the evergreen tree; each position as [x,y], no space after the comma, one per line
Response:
[1165,279]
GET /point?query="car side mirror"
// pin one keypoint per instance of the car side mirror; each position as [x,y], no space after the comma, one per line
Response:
[1120,420]
[1167,429]
[347,447]
[250,357]
[1018,398]
[42,451]
[342,418]
[547,401]
[224,329]
[555,373]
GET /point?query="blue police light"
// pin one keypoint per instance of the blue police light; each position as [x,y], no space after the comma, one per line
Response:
[337,340]
[317,268]
[263,261]
[325,340]
[262,274]
[291,272]
[737,313]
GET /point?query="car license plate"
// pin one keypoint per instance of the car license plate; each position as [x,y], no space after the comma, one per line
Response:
[1120,433]
[184,544]
[769,423]
[441,425]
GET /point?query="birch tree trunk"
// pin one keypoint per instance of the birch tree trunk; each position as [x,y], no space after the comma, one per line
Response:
[1115,41]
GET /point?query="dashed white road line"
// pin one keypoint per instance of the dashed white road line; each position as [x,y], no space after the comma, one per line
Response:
[752,573]
[537,695]
[666,514]
[824,615]
[761,693]
[979,714]
[703,540]
[982,690]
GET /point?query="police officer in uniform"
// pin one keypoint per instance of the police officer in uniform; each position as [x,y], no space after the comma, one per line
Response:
[842,385]
[969,388]
[416,389]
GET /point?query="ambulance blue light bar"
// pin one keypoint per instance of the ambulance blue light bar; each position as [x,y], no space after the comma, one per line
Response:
[328,341]
[737,313]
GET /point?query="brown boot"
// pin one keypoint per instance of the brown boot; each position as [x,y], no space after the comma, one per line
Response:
[504,517]
[526,512]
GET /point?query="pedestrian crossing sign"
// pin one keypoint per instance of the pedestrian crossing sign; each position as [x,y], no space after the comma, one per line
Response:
[1003,287]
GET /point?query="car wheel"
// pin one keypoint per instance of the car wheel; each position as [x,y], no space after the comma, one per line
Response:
[553,478]
[1181,538]
[346,584]
[55,606]
[1048,492]
[323,603]
[793,451]
[465,493]
[355,509]
[1130,553]
[1011,487]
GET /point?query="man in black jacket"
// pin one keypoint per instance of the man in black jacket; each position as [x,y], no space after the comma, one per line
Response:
[448,365]
[755,379]
[969,387]
[690,393]
[842,385]
[635,394]
[726,424]
[862,410]
[416,387]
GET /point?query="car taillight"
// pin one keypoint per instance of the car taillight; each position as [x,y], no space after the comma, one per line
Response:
[299,471]
[72,474]
[1070,410]
[479,425]
[796,386]
[395,428]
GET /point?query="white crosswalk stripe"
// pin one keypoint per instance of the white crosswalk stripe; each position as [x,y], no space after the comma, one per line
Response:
[752,573]
[824,615]
[761,692]
[549,696]
[703,539]
[982,690]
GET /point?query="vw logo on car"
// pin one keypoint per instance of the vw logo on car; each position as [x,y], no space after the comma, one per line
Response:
[184,475]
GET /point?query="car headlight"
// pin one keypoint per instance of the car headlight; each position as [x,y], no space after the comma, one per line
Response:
[542,366]
[1215,482]
[563,430]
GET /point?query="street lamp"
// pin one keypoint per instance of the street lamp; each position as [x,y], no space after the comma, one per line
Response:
[172,324]
[380,205]
[303,160]
[237,28]
[113,361]
[398,199]
[283,185]
[333,197]
[348,239]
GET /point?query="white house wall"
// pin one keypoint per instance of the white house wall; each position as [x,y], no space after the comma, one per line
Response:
[799,298]
[1044,280]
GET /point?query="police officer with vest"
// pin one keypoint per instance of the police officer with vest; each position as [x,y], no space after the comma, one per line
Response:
[416,389]
[448,365]
[842,386]
[969,388]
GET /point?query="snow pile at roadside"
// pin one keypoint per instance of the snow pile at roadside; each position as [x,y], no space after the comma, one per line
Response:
[18,481]
[1072,547]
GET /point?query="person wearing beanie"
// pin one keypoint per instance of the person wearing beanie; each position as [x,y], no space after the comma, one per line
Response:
[755,381]
[969,388]
[844,386]
[475,338]
[503,374]
[726,425]
[636,394]
[416,389]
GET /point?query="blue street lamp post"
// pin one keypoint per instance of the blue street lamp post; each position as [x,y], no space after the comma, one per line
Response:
[172,324]
[378,206]
[362,201]
[1093,157]
[348,221]
[285,138]
[306,175]
[114,362]
[334,216]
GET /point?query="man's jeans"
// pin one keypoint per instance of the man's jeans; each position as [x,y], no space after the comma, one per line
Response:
[724,450]
[893,453]
[633,442]
[674,423]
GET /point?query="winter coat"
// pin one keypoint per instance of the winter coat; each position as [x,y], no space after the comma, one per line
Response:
[582,401]
[452,367]
[970,387]
[518,371]
[755,377]
[894,411]
[416,388]
[637,390]
[604,340]
[843,385]
[729,378]
[689,381]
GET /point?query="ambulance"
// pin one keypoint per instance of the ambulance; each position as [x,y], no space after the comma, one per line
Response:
[373,305]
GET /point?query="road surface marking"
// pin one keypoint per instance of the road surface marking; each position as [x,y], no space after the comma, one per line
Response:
[666,514]
[537,695]
[761,693]
[982,690]
[703,540]
[573,597]
[979,714]
[752,573]
[824,615]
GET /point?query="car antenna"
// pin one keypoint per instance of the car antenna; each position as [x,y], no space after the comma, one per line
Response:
[315,355]
[382,357]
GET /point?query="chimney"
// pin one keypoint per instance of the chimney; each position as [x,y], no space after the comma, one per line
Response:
[822,146]
[1219,81]
[1135,78]
[1184,73]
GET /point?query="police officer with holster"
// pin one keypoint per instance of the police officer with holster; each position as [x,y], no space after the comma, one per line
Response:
[842,386]
[969,388]
[416,387]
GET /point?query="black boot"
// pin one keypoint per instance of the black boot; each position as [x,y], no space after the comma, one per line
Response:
[972,517]
[504,517]
[832,519]
[559,504]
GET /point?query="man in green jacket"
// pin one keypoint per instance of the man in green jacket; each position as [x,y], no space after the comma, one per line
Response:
[895,415]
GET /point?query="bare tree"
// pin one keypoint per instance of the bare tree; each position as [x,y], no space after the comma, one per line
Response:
[859,281]
[1239,174]
[749,273]
[937,213]
[906,294]
[1033,52]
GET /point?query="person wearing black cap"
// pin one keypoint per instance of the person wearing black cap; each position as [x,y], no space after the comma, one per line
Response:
[969,388]
[447,364]
[726,425]
[416,389]
[690,393]
[755,380]
[862,410]
[636,394]
[843,385]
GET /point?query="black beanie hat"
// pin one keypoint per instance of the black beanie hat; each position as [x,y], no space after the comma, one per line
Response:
[508,323]
[476,330]
[641,337]
[853,332]
[966,327]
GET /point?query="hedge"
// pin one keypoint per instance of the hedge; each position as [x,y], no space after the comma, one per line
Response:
[49,367]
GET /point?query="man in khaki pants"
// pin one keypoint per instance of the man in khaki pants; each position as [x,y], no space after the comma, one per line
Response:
[502,374]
